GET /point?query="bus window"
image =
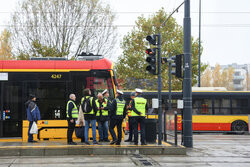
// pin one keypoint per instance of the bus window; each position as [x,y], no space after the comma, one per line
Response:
[240,106]
[202,106]
[222,107]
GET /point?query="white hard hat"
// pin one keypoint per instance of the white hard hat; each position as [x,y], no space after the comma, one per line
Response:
[105,91]
[120,92]
[138,90]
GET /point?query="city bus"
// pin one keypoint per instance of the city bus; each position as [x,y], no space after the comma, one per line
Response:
[213,111]
[52,81]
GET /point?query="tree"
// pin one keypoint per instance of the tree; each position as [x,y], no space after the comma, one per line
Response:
[228,81]
[206,77]
[132,64]
[218,77]
[42,51]
[5,45]
[68,26]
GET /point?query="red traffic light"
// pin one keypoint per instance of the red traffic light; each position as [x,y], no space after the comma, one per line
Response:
[150,51]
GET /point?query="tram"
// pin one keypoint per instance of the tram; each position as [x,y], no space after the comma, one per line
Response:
[52,81]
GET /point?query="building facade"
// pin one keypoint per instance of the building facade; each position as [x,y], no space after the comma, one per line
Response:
[241,76]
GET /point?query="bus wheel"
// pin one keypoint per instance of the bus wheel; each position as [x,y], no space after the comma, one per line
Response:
[239,126]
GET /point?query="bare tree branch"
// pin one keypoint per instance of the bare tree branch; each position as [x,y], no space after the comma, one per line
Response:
[70,26]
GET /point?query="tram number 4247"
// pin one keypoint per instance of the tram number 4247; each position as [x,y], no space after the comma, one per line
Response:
[56,76]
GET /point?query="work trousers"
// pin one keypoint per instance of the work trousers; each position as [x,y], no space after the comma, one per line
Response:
[103,130]
[118,124]
[140,120]
[131,128]
[71,128]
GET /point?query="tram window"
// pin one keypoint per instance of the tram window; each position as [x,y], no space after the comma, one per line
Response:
[221,103]
[240,111]
[239,103]
[240,106]
[51,98]
[202,106]
[100,84]
[222,107]
[222,111]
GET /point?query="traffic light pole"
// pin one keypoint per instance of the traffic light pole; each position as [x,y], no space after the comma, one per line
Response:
[169,87]
[159,90]
[187,82]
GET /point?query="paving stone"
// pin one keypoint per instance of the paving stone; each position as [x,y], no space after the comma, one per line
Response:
[55,151]
[32,152]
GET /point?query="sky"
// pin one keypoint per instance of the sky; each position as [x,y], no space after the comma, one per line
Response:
[225,24]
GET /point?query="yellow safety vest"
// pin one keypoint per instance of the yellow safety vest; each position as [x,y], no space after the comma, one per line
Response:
[91,100]
[104,104]
[120,106]
[74,110]
[140,105]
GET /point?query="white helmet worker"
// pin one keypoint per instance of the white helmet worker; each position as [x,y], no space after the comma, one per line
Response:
[105,91]
[137,90]
[119,92]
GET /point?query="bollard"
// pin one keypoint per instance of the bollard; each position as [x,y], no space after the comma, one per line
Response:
[175,128]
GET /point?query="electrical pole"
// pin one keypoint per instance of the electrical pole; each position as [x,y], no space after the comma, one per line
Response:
[199,77]
[159,90]
[187,81]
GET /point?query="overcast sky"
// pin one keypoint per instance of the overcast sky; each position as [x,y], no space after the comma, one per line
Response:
[225,30]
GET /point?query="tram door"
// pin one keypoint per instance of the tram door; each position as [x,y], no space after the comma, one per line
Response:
[11,109]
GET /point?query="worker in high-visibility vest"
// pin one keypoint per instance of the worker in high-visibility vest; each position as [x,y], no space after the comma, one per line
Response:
[90,117]
[102,117]
[139,106]
[130,118]
[118,112]
[105,94]
[72,115]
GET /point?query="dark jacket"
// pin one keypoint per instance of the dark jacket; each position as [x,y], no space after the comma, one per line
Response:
[33,112]
[133,106]
[91,116]
[71,106]
[101,117]
[114,107]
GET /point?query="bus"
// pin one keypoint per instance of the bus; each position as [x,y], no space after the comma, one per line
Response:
[213,111]
[52,81]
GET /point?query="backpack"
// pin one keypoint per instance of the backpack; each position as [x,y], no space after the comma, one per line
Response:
[86,105]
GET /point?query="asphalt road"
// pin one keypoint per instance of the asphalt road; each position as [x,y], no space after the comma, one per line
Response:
[209,150]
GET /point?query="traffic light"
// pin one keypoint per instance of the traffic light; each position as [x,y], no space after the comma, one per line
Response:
[177,65]
[151,39]
[151,59]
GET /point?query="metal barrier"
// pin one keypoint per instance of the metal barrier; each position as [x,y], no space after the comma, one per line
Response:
[174,134]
